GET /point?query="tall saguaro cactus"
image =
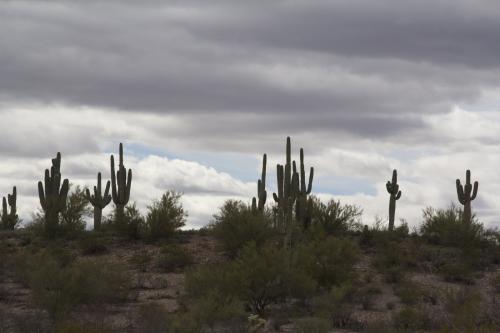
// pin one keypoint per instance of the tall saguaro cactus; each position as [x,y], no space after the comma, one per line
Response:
[466,193]
[98,200]
[53,196]
[261,189]
[285,198]
[395,194]
[10,219]
[303,205]
[120,185]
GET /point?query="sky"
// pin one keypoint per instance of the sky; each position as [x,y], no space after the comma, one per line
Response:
[198,90]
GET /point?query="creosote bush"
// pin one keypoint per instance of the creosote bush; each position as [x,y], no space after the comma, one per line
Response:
[335,218]
[173,257]
[165,216]
[236,225]
[59,284]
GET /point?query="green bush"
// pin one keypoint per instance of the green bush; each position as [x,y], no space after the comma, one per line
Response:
[165,216]
[131,226]
[236,225]
[258,277]
[330,262]
[336,218]
[58,286]
[446,227]
[173,257]
[92,243]
[411,318]
[457,272]
[336,306]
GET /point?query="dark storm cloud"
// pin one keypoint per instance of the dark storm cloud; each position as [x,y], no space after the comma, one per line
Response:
[366,68]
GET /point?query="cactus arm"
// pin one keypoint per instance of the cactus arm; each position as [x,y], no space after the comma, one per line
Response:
[398,195]
[41,194]
[460,192]
[114,194]
[474,192]
[4,208]
[311,176]
[129,185]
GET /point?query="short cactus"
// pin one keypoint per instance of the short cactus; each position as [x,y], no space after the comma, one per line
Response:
[98,200]
[466,193]
[120,185]
[261,190]
[10,219]
[395,194]
[53,196]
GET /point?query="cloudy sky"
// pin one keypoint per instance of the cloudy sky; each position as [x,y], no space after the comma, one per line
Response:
[198,90]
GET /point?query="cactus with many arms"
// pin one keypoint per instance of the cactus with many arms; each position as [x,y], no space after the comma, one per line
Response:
[10,219]
[53,195]
[466,193]
[261,190]
[98,200]
[285,198]
[395,194]
[120,185]
[304,205]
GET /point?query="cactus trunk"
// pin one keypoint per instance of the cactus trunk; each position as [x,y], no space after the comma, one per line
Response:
[120,186]
[466,193]
[393,189]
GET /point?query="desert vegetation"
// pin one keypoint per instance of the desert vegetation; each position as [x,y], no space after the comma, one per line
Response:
[291,264]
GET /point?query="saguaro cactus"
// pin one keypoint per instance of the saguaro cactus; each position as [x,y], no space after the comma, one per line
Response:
[9,219]
[120,185]
[53,197]
[287,187]
[466,194]
[261,189]
[98,200]
[395,194]
[304,205]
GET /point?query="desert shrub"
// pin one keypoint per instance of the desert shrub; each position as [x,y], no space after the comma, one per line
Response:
[366,296]
[165,216]
[92,243]
[71,222]
[391,261]
[173,257]
[258,277]
[330,261]
[311,325]
[446,227]
[130,226]
[266,276]
[409,292]
[236,225]
[336,218]
[411,318]
[59,286]
[337,306]
[458,271]
[465,312]
[153,318]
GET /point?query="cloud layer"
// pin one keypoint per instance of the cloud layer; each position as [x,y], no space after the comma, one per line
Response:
[363,86]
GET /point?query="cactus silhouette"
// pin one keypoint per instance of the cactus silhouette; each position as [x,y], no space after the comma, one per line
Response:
[285,198]
[98,200]
[10,219]
[261,189]
[303,204]
[120,185]
[393,189]
[466,193]
[53,196]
